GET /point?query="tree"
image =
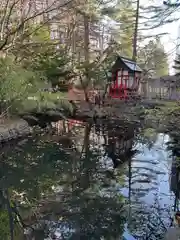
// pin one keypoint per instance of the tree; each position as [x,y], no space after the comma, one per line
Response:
[153,59]
[25,36]
[123,13]
[177,65]
[16,16]
[155,16]
[16,84]
[172,3]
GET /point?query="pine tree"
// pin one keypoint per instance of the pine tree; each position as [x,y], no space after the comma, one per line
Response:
[153,59]
[123,13]
[177,65]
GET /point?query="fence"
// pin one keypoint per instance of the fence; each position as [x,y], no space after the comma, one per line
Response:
[159,90]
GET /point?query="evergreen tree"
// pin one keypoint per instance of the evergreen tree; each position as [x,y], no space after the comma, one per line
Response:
[153,59]
[123,13]
[177,65]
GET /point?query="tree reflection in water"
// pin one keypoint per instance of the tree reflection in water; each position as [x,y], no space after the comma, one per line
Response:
[58,186]
[71,186]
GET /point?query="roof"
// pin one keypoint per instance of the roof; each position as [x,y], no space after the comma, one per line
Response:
[131,64]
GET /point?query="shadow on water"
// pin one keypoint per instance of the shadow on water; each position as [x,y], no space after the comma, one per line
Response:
[86,184]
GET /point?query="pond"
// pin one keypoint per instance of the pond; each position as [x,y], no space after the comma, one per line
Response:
[87,184]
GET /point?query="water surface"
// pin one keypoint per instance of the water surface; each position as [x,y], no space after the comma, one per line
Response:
[87,184]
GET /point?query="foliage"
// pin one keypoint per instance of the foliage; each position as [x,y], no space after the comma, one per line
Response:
[123,15]
[52,63]
[39,33]
[16,83]
[153,59]
[5,229]
[41,102]
[36,62]
[17,16]
[4,225]
[72,58]
[177,65]
[44,55]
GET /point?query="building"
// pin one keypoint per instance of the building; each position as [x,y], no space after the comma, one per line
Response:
[126,75]
[124,82]
[165,87]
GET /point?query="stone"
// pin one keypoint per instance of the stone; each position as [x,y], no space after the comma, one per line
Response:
[14,130]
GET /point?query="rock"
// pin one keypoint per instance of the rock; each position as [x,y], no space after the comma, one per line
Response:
[14,130]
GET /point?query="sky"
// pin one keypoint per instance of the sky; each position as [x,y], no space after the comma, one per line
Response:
[173,29]
[170,43]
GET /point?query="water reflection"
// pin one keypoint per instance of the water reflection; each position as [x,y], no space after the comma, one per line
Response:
[53,179]
[79,186]
[151,199]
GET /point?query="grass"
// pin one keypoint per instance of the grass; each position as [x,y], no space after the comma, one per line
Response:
[169,106]
[163,111]
[44,100]
[50,96]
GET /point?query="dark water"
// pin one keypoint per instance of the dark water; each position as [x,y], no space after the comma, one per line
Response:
[87,184]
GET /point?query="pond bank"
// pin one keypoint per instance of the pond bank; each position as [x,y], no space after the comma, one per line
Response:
[84,111]
[111,111]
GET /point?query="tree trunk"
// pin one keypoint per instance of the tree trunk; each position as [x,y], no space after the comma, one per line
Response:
[86,38]
[134,57]
[86,46]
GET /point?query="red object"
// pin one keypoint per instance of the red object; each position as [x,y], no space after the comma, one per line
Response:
[74,123]
[123,85]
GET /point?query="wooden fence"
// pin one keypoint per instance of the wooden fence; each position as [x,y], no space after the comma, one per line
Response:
[159,88]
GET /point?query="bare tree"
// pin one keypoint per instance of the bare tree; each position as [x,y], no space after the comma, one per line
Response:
[17,15]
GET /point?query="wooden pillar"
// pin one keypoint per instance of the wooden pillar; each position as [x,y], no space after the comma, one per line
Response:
[124,83]
[116,92]
[121,84]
